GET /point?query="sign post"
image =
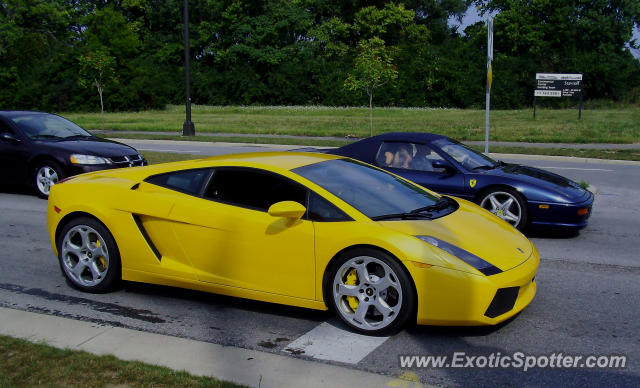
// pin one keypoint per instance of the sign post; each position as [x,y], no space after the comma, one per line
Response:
[558,85]
[489,81]
[188,128]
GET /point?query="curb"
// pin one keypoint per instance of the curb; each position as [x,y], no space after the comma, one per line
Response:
[243,366]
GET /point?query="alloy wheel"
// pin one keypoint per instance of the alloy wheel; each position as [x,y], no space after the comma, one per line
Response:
[45,178]
[503,205]
[84,254]
[367,293]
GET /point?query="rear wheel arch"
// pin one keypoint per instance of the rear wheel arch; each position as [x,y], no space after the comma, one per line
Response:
[88,254]
[70,217]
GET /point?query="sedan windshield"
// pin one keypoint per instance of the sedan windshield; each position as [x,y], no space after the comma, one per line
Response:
[375,193]
[47,126]
[467,157]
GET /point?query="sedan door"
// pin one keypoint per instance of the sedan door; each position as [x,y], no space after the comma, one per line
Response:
[231,240]
[14,155]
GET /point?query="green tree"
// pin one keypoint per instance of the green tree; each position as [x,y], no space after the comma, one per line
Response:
[372,69]
[97,68]
[581,36]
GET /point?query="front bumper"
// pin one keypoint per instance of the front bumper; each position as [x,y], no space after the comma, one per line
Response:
[76,169]
[456,298]
[556,215]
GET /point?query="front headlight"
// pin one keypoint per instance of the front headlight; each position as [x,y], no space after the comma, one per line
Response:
[88,159]
[469,258]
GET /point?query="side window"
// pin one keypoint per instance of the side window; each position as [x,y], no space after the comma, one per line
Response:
[4,128]
[322,210]
[253,188]
[186,181]
[405,155]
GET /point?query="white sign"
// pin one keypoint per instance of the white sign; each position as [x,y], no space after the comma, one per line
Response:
[559,77]
[548,93]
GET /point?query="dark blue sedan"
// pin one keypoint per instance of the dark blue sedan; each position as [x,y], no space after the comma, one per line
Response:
[521,195]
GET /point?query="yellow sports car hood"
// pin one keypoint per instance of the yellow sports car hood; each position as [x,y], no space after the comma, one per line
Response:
[474,230]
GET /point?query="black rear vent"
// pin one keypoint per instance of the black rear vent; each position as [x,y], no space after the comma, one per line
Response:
[504,301]
[144,233]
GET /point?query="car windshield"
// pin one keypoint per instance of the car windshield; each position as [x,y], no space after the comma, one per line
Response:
[46,126]
[467,157]
[373,192]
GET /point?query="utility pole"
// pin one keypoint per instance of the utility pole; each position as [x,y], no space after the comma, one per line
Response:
[188,129]
[489,80]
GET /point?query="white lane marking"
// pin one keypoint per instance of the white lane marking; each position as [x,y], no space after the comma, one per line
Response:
[574,168]
[327,342]
[172,151]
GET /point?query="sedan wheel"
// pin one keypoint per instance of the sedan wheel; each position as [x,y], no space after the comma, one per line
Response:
[507,205]
[88,255]
[371,293]
[47,175]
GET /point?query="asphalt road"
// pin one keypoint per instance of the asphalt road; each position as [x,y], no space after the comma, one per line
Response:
[588,298]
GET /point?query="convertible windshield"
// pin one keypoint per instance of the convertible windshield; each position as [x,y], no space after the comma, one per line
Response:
[46,126]
[375,193]
[468,158]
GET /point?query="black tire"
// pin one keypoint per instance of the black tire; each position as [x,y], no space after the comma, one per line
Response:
[405,304]
[38,180]
[73,252]
[518,203]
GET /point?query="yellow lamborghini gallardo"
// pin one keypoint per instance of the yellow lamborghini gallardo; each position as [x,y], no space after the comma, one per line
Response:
[310,230]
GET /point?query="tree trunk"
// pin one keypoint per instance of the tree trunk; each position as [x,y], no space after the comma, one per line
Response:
[371,114]
[101,107]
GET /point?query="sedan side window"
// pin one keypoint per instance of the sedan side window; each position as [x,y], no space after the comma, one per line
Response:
[253,188]
[185,181]
[5,129]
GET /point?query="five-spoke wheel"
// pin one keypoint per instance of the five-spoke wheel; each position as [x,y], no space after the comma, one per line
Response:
[47,174]
[370,291]
[506,204]
[88,255]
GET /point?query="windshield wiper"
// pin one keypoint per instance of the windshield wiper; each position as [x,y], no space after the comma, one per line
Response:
[45,137]
[77,136]
[483,167]
[403,216]
[443,203]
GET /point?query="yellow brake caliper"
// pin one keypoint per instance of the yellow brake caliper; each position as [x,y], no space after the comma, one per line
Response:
[102,260]
[352,278]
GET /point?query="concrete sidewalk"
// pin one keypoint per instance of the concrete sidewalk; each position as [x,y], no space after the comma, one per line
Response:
[243,366]
[213,135]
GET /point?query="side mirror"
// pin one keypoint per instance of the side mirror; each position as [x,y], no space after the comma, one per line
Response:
[6,136]
[287,209]
[443,165]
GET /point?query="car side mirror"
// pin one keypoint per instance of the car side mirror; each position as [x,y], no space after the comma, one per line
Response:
[8,137]
[443,165]
[287,209]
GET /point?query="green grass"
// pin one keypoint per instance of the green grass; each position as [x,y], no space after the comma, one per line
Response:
[597,126]
[233,139]
[166,157]
[26,364]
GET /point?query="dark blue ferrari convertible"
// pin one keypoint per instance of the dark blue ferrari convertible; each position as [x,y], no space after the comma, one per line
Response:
[523,196]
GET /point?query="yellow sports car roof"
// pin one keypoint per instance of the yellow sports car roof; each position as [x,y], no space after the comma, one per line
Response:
[284,160]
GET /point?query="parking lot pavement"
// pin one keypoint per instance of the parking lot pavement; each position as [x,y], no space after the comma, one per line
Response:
[588,301]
